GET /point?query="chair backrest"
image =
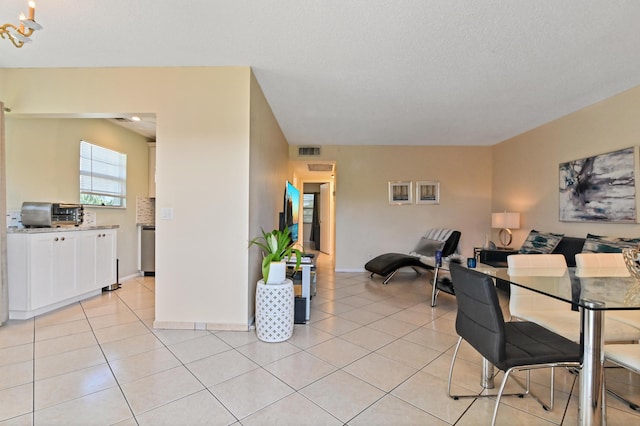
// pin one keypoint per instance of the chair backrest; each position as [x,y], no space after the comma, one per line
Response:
[449,236]
[479,320]
[547,265]
[601,265]
[451,245]
[523,301]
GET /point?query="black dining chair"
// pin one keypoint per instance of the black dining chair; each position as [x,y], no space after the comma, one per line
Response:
[509,346]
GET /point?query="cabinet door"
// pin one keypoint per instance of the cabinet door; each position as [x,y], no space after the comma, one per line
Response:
[87,261]
[106,257]
[53,264]
[41,248]
[65,267]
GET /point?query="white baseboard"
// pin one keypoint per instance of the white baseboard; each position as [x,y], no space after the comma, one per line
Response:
[186,325]
[129,277]
[350,270]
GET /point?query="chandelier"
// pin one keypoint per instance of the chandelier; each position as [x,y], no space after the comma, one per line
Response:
[19,35]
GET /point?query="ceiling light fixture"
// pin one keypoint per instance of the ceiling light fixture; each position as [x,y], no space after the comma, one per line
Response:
[20,35]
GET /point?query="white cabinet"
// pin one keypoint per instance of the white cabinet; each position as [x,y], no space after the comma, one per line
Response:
[106,257]
[52,267]
[152,169]
[48,270]
[97,259]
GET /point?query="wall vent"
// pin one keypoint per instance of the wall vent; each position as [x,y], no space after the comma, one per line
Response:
[306,151]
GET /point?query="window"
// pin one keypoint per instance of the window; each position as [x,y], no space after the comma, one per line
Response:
[103,176]
[307,208]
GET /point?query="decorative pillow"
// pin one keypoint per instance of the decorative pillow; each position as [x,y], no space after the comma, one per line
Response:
[599,244]
[427,247]
[540,243]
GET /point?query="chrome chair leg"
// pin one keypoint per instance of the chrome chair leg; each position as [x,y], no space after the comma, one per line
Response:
[386,280]
[631,404]
[475,395]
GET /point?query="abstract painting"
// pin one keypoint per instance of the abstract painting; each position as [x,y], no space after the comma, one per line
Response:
[599,188]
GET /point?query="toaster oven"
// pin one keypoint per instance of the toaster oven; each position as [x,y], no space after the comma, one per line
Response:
[44,215]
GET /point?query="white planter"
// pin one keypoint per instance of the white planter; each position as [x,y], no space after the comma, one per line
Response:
[274,311]
[277,273]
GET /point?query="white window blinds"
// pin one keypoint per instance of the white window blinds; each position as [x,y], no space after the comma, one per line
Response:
[103,176]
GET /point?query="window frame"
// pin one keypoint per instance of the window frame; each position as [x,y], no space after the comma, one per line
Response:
[102,184]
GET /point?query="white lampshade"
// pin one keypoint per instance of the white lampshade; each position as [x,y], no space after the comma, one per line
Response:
[505,220]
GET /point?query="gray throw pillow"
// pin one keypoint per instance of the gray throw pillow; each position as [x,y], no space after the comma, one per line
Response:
[540,243]
[427,247]
[599,244]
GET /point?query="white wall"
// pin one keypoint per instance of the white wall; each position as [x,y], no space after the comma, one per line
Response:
[202,172]
[43,165]
[267,176]
[526,167]
[366,225]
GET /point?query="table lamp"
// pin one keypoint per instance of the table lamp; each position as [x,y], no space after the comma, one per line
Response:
[505,221]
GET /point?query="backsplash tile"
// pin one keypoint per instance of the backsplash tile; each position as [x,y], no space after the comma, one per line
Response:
[145,210]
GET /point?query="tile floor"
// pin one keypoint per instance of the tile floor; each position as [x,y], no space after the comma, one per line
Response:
[372,354]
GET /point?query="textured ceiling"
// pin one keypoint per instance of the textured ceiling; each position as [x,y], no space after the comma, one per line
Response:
[371,72]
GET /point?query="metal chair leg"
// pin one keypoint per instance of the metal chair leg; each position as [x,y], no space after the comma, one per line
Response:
[631,405]
[386,280]
[475,395]
[434,289]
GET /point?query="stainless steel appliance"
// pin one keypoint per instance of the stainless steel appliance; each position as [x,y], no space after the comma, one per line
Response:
[45,215]
[148,250]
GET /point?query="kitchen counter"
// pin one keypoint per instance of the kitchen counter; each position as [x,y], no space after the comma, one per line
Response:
[58,229]
[54,267]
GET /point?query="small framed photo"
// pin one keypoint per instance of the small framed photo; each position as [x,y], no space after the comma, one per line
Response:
[427,192]
[400,192]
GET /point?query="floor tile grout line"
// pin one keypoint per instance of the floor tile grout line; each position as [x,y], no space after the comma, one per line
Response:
[112,372]
[184,366]
[301,349]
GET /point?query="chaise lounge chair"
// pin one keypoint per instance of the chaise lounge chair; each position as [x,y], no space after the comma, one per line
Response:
[388,264]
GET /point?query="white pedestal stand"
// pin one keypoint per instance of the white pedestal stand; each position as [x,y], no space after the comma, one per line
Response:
[274,311]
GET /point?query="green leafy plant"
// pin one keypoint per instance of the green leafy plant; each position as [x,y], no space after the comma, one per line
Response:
[276,246]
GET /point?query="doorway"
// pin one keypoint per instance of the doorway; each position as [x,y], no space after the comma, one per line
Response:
[317,218]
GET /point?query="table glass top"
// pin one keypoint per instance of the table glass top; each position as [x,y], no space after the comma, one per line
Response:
[610,292]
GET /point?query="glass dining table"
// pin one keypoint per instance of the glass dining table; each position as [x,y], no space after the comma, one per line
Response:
[592,297]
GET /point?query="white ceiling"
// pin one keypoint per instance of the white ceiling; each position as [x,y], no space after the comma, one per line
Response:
[370,72]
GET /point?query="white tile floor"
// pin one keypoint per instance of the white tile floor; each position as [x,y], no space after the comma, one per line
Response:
[372,354]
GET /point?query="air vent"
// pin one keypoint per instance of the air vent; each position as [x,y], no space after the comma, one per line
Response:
[306,151]
[320,167]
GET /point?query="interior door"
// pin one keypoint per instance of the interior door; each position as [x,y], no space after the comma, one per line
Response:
[325,218]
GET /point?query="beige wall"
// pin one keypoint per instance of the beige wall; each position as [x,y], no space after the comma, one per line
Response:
[202,172]
[366,225]
[267,175]
[42,165]
[525,168]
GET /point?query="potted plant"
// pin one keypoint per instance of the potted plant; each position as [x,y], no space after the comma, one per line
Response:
[276,248]
[275,298]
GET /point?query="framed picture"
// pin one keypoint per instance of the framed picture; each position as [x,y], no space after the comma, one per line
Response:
[427,192]
[400,192]
[599,188]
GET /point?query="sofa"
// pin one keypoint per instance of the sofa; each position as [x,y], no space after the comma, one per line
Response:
[568,246]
